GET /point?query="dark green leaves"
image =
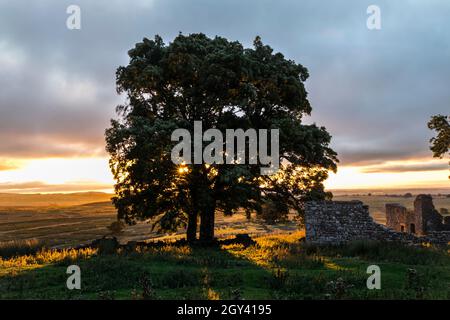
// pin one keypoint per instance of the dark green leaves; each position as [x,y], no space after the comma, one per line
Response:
[225,86]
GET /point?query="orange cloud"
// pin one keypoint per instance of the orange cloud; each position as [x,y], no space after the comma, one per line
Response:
[408,167]
[423,173]
[6,165]
[42,187]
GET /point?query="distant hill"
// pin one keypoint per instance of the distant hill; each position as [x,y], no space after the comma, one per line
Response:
[53,199]
[390,191]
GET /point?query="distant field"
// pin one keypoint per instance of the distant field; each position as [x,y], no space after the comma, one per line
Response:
[66,220]
[56,225]
[377,203]
[57,199]
[72,219]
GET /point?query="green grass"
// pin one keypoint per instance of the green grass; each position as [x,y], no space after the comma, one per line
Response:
[278,267]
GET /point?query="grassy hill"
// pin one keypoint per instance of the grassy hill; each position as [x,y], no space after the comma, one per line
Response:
[276,267]
[65,226]
[54,199]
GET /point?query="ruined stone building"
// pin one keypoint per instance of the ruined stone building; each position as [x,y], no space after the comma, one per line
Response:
[421,221]
[336,222]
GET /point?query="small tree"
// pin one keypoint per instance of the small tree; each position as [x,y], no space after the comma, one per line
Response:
[116,227]
[408,195]
[441,143]
[225,86]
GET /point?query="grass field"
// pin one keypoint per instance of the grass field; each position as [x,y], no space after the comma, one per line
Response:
[51,200]
[276,267]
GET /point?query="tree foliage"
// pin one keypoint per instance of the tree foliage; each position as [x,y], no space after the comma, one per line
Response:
[226,86]
[441,143]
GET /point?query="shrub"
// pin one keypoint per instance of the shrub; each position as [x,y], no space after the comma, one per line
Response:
[148,293]
[338,289]
[15,248]
[273,212]
[116,227]
[278,279]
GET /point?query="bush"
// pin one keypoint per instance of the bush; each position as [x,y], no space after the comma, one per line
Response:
[9,249]
[274,212]
[148,293]
[116,227]
[106,245]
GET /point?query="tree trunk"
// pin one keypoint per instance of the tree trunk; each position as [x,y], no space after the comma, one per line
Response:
[207,225]
[191,232]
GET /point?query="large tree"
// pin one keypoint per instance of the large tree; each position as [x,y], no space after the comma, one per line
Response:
[440,144]
[218,82]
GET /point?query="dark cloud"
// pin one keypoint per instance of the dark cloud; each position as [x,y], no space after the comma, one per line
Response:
[42,146]
[407,168]
[368,156]
[373,90]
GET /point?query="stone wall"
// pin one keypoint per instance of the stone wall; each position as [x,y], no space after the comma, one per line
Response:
[336,222]
[427,217]
[398,218]
[447,223]
[421,221]
[438,237]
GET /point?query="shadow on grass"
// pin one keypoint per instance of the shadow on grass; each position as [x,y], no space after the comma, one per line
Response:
[158,271]
[270,269]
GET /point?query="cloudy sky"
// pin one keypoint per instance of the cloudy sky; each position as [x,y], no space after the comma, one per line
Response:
[374,90]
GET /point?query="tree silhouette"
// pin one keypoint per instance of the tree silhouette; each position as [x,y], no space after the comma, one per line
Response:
[441,143]
[218,82]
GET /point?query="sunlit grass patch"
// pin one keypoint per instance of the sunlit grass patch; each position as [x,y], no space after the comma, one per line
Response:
[281,239]
[276,251]
[274,267]
[332,265]
[45,257]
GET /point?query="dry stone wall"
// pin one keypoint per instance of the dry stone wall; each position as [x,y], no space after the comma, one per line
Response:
[438,237]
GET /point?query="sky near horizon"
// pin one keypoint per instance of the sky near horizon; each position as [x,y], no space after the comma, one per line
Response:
[374,90]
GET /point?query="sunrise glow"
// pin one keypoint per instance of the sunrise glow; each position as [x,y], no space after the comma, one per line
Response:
[57,175]
[360,177]
[93,174]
